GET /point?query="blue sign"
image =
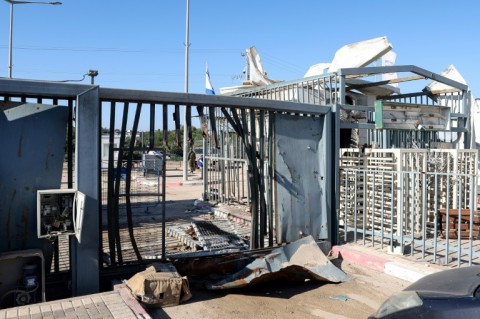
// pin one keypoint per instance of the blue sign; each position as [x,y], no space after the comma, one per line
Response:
[200,162]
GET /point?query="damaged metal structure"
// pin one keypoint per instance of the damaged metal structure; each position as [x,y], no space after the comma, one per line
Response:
[115,235]
[299,260]
[306,157]
[405,163]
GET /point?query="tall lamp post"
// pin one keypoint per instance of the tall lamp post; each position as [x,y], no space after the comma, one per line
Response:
[185,133]
[12,3]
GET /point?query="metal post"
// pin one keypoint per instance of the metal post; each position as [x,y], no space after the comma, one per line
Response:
[185,133]
[10,42]
[84,254]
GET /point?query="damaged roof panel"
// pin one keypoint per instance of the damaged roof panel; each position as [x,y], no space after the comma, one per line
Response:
[301,259]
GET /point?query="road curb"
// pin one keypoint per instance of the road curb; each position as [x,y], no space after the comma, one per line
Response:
[172,184]
[396,269]
[190,183]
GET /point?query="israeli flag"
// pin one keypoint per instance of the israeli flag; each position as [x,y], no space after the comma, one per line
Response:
[208,85]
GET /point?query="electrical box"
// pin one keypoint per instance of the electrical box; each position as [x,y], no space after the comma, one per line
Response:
[59,212]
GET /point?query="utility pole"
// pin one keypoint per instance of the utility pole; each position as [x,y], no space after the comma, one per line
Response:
[185,132]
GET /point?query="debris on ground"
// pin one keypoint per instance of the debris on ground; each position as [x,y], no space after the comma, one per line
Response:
[159,285]
[300,260]
[341,298]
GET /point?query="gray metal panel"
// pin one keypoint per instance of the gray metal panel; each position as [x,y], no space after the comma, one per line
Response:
[33,149]
[301,159]
[85,267]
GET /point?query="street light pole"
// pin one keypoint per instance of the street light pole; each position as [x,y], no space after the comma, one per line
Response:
[13,2]
[185,132]
[10,42]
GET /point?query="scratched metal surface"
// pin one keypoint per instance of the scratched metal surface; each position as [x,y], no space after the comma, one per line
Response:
[301,176]
[32,153]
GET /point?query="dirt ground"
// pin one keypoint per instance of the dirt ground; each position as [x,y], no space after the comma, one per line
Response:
[357,298]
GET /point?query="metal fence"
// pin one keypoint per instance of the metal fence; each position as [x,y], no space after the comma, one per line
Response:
[413,211]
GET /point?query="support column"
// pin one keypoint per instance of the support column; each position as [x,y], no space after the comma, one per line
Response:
[84,254]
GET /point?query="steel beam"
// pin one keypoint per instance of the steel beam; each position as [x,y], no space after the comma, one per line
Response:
[210,100]
[403,68]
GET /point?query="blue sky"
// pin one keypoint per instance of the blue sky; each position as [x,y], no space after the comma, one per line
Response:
[140,44]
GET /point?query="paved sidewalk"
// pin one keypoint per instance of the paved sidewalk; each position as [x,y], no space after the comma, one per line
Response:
[108,305]
[389,264]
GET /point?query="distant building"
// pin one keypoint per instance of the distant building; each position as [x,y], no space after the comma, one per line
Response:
[104,148]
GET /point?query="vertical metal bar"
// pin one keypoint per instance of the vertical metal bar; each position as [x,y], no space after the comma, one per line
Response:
[128,180]
[424,213]
[402,183]
[382,209]
[447,222]
[345,210]
[165,124]
[255,184]
[204,168]
[414,208]
[164,182]
[373,208]
[70,148]
[223,162]
[459,242]
[261,171]
[364,204]
[435,226]
[188,124]
[99,178]
[176,118]
[85,274]
[335,163]
[270,177]
[117,182]
[152,127]
[213,126]
[355,207]
[472,207]
[110,186]
[392,243]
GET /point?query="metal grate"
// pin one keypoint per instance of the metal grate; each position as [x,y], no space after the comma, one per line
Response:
[218,234]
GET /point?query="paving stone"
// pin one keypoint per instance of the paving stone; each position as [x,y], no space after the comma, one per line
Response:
[23,311]
[11,313]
